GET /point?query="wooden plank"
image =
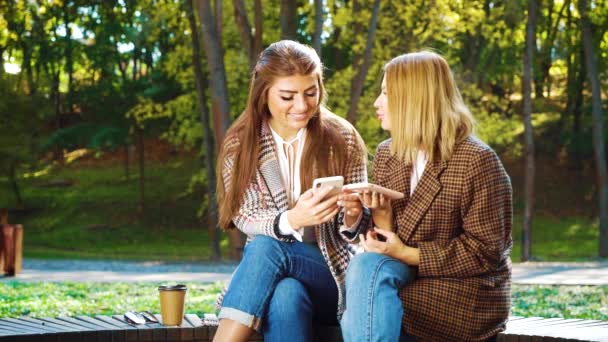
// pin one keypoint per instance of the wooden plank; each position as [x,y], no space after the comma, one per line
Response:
[72,326]
[68,334]
[7,329]
[103,330]
[118,333]
[77,322]
[144,333]
[101,325]
[172,332]
[201,332]
[131,334]
[59,327]
[26,325]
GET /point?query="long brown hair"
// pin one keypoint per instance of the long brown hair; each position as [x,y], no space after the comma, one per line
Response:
[425,107]
[325,146]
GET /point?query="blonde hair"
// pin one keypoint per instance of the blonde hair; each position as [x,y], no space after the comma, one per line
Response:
[425,108]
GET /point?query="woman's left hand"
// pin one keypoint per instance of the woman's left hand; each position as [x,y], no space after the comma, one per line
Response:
[393,246]
[351,202]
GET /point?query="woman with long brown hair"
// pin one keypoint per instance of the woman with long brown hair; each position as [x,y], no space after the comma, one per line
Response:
[441,270]
[298,240]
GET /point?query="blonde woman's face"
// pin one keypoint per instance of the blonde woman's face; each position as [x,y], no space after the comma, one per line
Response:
[381,105]
[292,101]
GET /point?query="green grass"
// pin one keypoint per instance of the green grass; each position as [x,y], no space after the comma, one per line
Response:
[69,298]
[98,216]
[558,239]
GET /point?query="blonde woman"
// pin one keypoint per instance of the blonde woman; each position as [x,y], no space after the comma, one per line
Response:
[437,263]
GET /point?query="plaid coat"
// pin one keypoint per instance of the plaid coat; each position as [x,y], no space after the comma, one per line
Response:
[266,198]
[460,217]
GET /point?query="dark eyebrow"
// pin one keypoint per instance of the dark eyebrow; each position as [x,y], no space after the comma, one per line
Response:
[295,92]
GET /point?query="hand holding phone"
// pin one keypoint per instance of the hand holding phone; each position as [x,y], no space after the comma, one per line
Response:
[378,199]
[335,182]
[369,187]
[313,206]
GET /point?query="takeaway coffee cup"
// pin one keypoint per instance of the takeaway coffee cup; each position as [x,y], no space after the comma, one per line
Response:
[172,300]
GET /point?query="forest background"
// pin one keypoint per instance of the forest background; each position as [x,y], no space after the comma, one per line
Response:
[111,111]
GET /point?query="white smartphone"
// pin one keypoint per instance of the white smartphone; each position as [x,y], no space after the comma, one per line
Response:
[337,182]
[361,187]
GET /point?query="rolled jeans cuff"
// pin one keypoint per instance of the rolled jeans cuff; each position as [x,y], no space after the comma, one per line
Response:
[245,318]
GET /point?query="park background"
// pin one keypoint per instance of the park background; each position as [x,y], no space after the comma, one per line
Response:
[111,113]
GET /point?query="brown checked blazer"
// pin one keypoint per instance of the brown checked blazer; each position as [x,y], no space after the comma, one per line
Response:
[460,217]
[266,198]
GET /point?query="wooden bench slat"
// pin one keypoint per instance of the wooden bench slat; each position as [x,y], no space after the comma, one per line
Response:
[194,328]
[101,325]
[30,326]
[200,331]
[72,326]
[60,327]
[7,330]
[78,322]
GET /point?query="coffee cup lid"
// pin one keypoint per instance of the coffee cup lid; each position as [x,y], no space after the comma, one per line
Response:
[178,287]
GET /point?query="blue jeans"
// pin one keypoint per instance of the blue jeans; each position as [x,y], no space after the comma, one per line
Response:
[280,289]
[373,308]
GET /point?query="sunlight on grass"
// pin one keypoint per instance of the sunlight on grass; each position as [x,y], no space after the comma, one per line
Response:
[71,298]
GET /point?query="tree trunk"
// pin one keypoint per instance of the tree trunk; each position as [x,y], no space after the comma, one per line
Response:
[528,133]
[217,71]
[142,183]
[598,124]
[14,184]
[219,95]
[359,79]
[289,19]
[209,146]
[69,60]
[126,162]
[316,36]
[240,15]
[259,29]
[219,20]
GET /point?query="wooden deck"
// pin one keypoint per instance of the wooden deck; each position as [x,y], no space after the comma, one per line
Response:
[194,328]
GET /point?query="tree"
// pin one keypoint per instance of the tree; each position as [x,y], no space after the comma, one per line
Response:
[219,93]
[217,71]
[209,146]
[289,19]
[359,79]
[528,131]
[252,41]
[598,127]
[316,37]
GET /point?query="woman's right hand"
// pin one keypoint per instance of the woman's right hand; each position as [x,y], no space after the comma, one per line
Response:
[382,210]
[312,209]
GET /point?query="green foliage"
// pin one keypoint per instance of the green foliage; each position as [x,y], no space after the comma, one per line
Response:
[583,302]
[90,299]
[87,135]
[20,127]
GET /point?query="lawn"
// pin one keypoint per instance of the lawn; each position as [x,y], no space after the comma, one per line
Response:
[54,299]
[97,216]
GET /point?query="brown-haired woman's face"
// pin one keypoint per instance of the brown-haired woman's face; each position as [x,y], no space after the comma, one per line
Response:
[292,101]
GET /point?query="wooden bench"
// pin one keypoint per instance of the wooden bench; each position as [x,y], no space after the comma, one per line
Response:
[115,328]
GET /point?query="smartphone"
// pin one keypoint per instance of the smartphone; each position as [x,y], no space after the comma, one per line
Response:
[337,182]
[361,187]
